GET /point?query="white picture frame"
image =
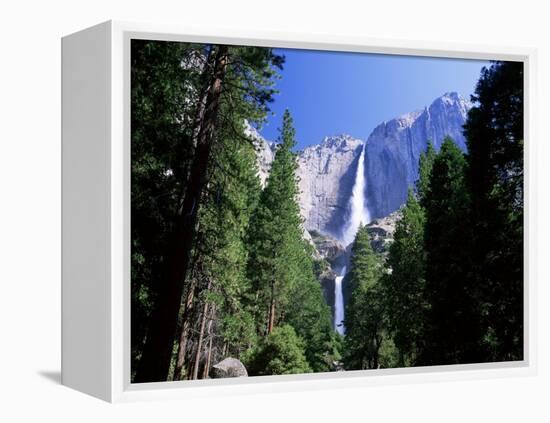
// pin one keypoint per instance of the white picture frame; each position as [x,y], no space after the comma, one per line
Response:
[96,213]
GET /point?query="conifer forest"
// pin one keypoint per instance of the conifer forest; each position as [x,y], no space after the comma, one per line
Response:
[250,258]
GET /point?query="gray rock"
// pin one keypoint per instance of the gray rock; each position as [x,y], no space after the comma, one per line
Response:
[229,367]
[336,256]
[326,174]
[327,247]
[393,149]
[381,232]
[327,171]
[265,152]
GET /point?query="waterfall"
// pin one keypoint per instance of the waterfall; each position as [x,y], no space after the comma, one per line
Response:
[339,303]
[358,215]
[359,212]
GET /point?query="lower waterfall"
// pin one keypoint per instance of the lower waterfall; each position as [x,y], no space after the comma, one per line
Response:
[339,303]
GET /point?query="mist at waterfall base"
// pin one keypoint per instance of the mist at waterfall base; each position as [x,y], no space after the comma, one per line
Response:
[358,215]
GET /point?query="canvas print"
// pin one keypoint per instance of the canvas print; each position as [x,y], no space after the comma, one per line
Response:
[299,211]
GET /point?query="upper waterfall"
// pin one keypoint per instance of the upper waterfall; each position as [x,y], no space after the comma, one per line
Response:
[327,172]
[358,208]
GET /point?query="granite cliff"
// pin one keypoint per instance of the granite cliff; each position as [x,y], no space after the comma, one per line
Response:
[327,171]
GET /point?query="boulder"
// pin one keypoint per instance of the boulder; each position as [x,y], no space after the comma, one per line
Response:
[229,367]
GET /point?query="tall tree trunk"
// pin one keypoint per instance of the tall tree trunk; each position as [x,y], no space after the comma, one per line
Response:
[206,370]
[377,345]
[183,338]
[271,322]
[204,316]
[157,352]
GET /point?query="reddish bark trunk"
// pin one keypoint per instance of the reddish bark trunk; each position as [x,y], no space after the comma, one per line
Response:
[271,322]
[206,370]
[200,340]
[182,347]
[155,363]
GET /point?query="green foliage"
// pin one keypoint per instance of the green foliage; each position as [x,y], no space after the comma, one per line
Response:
[281,267]
[365,317]
[453,331]
[450,291]
[279,353]
[169,82]
[404,284]
[425,166]
[494,131]
[310,316]
[160,152]
[223,222]
[275,238]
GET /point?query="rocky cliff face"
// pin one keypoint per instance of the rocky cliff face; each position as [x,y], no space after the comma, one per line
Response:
[327,170]
[265,152]
[326,175]
[394,147]
[335,255]
[381,232]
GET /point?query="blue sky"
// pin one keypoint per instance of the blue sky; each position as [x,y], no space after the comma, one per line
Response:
[330,93]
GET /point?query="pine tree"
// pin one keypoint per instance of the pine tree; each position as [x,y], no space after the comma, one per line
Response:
[308,313]
[425,165]
[494,132]
[236,76]
[161,152]
[453,333]
[276,237]
[279,353]
[284,288]
[221,258]
[366,344]
[404,284]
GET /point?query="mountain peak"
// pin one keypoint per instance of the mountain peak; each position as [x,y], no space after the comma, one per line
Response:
[452,98]
[340,140]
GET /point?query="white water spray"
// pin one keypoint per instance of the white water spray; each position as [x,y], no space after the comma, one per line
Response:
[339,303]
[359,212]
[359,215]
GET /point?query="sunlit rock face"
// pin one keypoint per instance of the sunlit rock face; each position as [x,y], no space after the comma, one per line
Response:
[265,152]
[394,147]
[326,175]
[327,171]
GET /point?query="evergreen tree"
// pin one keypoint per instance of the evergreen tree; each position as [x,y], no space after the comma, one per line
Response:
[494,132]
[453,330]
[425,165]
[276,236]
[279,353]
[308,313]
[404,283]
[220,261]
[281,266]
[161,150]
[235,76]
[366,344]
